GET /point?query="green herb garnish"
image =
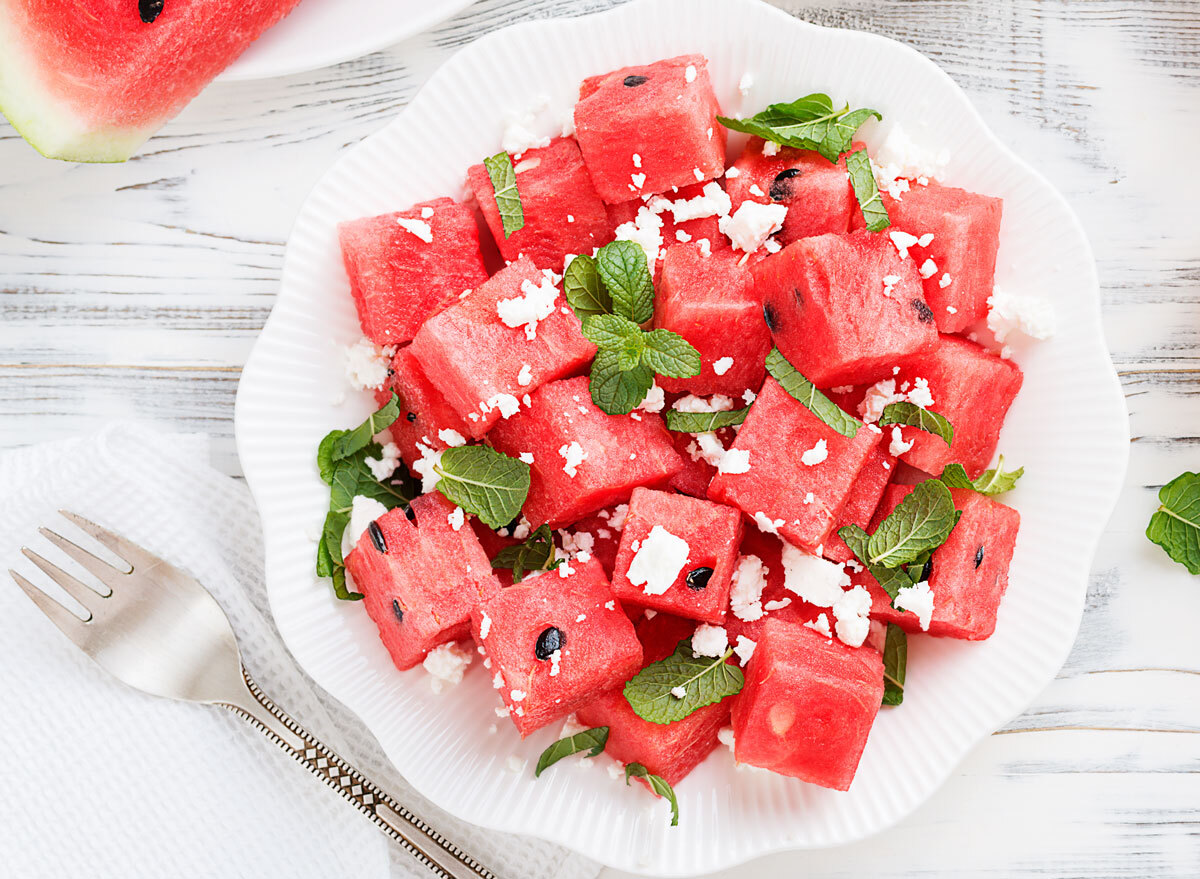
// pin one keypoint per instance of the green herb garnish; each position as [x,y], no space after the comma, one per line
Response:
[704,422]
[810,123]
[990,482]
[504,184]
[657,784]
[920,522]
[1175,525]
[594,739]
[895,661]
[806,392]
[484,483]
[866,191]
[912,415]
[584,291]
[535,554]
[705,680]
[622,267]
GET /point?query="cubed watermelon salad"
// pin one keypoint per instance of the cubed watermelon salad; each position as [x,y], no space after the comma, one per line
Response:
[716,437]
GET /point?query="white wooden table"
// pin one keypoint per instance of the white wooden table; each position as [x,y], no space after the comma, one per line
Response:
[138,290]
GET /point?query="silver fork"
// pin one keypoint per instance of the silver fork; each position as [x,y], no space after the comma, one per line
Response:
[158,629]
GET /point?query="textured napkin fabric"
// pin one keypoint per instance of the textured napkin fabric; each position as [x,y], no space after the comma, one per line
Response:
[98,780]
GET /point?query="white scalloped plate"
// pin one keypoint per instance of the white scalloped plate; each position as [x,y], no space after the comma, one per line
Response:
[1068,427]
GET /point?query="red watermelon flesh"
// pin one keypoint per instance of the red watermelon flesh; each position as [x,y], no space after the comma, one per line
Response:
[832,313]
[817,193]
[668,750]
[962,254]
[599,649]
[777,431]
[864,498]
[711,302]
[711,533]
[697,473]
[474,358]
[664,113]
[397,278]
[424,412]
[807,705]
[621,452]
[605,536]
[562,212]
[90,80]
[968,573]
[421,591]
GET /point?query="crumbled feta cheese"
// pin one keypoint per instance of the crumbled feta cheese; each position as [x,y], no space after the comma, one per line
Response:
[766,524]
[705,247]
[689,74]
[889,284]
[555,660]
[658,561]
[682,236]
[456,518]
[610,605]
[755,189]
[426,466]
[713,201]
[815,580]
[639,180]
[852,615]
[527,457]
[877,398]
[820,624]
[1010,312]
[692,403]
[746,83]
[678,692]
[573,455]
[950,309]
[771,246]
[655,399]
[519,133]
[925,240]
[744,648]
[944,282]
[383,467]
[527,310]
[367,364]
[752,224]
[732,171]
[735,461]
[903,241]
[808,498]
[517,695]
[525,376]
[426,213]
[919,600]
[722,365]
[928,268]
[417,227]
[637,160]
[920,394]
[779,604]
[770,148]
[748,396]
[363,511]
[815,455]
[901,159]
[617,517]
[485,626]
[899,446]
[446,664]
[707,447]
[645,230]
[698,174]
[526,165]
[506,403]
[452,437]
[709,640]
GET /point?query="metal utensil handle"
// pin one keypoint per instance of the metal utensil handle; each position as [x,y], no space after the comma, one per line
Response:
[416,837]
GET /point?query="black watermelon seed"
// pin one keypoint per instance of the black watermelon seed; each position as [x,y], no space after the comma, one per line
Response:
[635,80]
[391,372]
[377,537]
[979,557]
[927,571]
[411,416]
[150,10]
[788,172]
[770,317]
[409,514]
[781,188]
[699,578]
[548,642]
[924,312]
[397,611]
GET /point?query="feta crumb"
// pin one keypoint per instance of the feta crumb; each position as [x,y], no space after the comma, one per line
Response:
[928,268]
[649,614]
[645,230]
[713,201]
[452,437]
[815,455]
[639,180]
[699,175]
[745,592]
[748,396]
[678,692]
[417,227]
[363,511]
[571,726]
[682,236]
[519,133]
[877,398]
[899,446]
[426,213]
[950,309]
[744,648]
[770,148]
[525,376]
[526,165]
[752,224]
[705,247]
[555,660]
[1010,312]
[367,364]
[901,159]
[655,399]
[446,664]
[735,461]
[637,160]
[808,498]
[722,365]
[692,403]
[610,605]
[658,561]
[527,310]
[852,615]
[689,75]
[766,524]
[820,624]
[517,695]
[570,218]
[919,600]
[746,83]
[779,604]
[527,457]
[383,467]
[427,466]
[573,455]
[813,579]
[709,640]
[732,171]
[506,403]
[456,518]
[755,189]
[903,241]
[485,626]
[920,394]
[945,281]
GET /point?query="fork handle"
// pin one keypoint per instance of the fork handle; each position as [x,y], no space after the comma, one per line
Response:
[413,834]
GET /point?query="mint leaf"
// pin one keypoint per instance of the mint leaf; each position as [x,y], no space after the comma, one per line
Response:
[594,739]
[912,415]
[582,287]
[535,554]
[866,190]
[808,123]
[671,355]
[806,392]
[617,334]
[617,390]
[704,422]
[484,482]
[706,680]
[355,440]
[922,521]
[325,461]
[895,661]
[890,581]
[1175,525]
[990,482]
[504,184]
[622,267]
[657,784]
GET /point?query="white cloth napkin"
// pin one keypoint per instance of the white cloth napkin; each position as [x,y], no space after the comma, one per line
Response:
[98,780]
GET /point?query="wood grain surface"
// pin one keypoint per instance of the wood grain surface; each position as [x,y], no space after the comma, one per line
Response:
[137,290]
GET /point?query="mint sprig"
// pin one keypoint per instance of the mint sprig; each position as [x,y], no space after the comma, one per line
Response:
[891,580]
[657,784]
[1175,525]
[912,415]
[806,392]
[705,680]
[704,422]
[591,740]
[504,185]
[484,482]
[808,123]
[535,554]
[920,522]
[670,354]
[622,267]
[990,482]
[866,191]
[584,290]
[615,389]
[895,663]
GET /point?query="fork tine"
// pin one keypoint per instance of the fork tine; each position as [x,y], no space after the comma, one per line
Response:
[102,570]
[69,624]
[77,589]
[128,551]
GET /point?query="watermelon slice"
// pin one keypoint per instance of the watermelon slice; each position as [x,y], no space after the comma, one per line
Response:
[485,367]
[807,706]
[696,588]
[555,642]
[968,574]
[420,580]
[817,193]
[562,212]
[648,128]
[801,502]
[399,278]
[668,750]
[844,309]
[583,459]
[89,81]
[864,498]
[711,301]
[425,416]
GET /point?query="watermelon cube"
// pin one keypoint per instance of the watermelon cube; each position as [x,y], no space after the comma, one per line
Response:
[968,574]
[555,641]
[844,308]
[817,193]
[485,367]
[958,264]
[711,302]
[697,472]
[404,267]
[420,579]
[668,750]
[648,128]
[425,416]
[807,705]
[799,501]
[583,459]
[677,554]
[562,212]
[864,499]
